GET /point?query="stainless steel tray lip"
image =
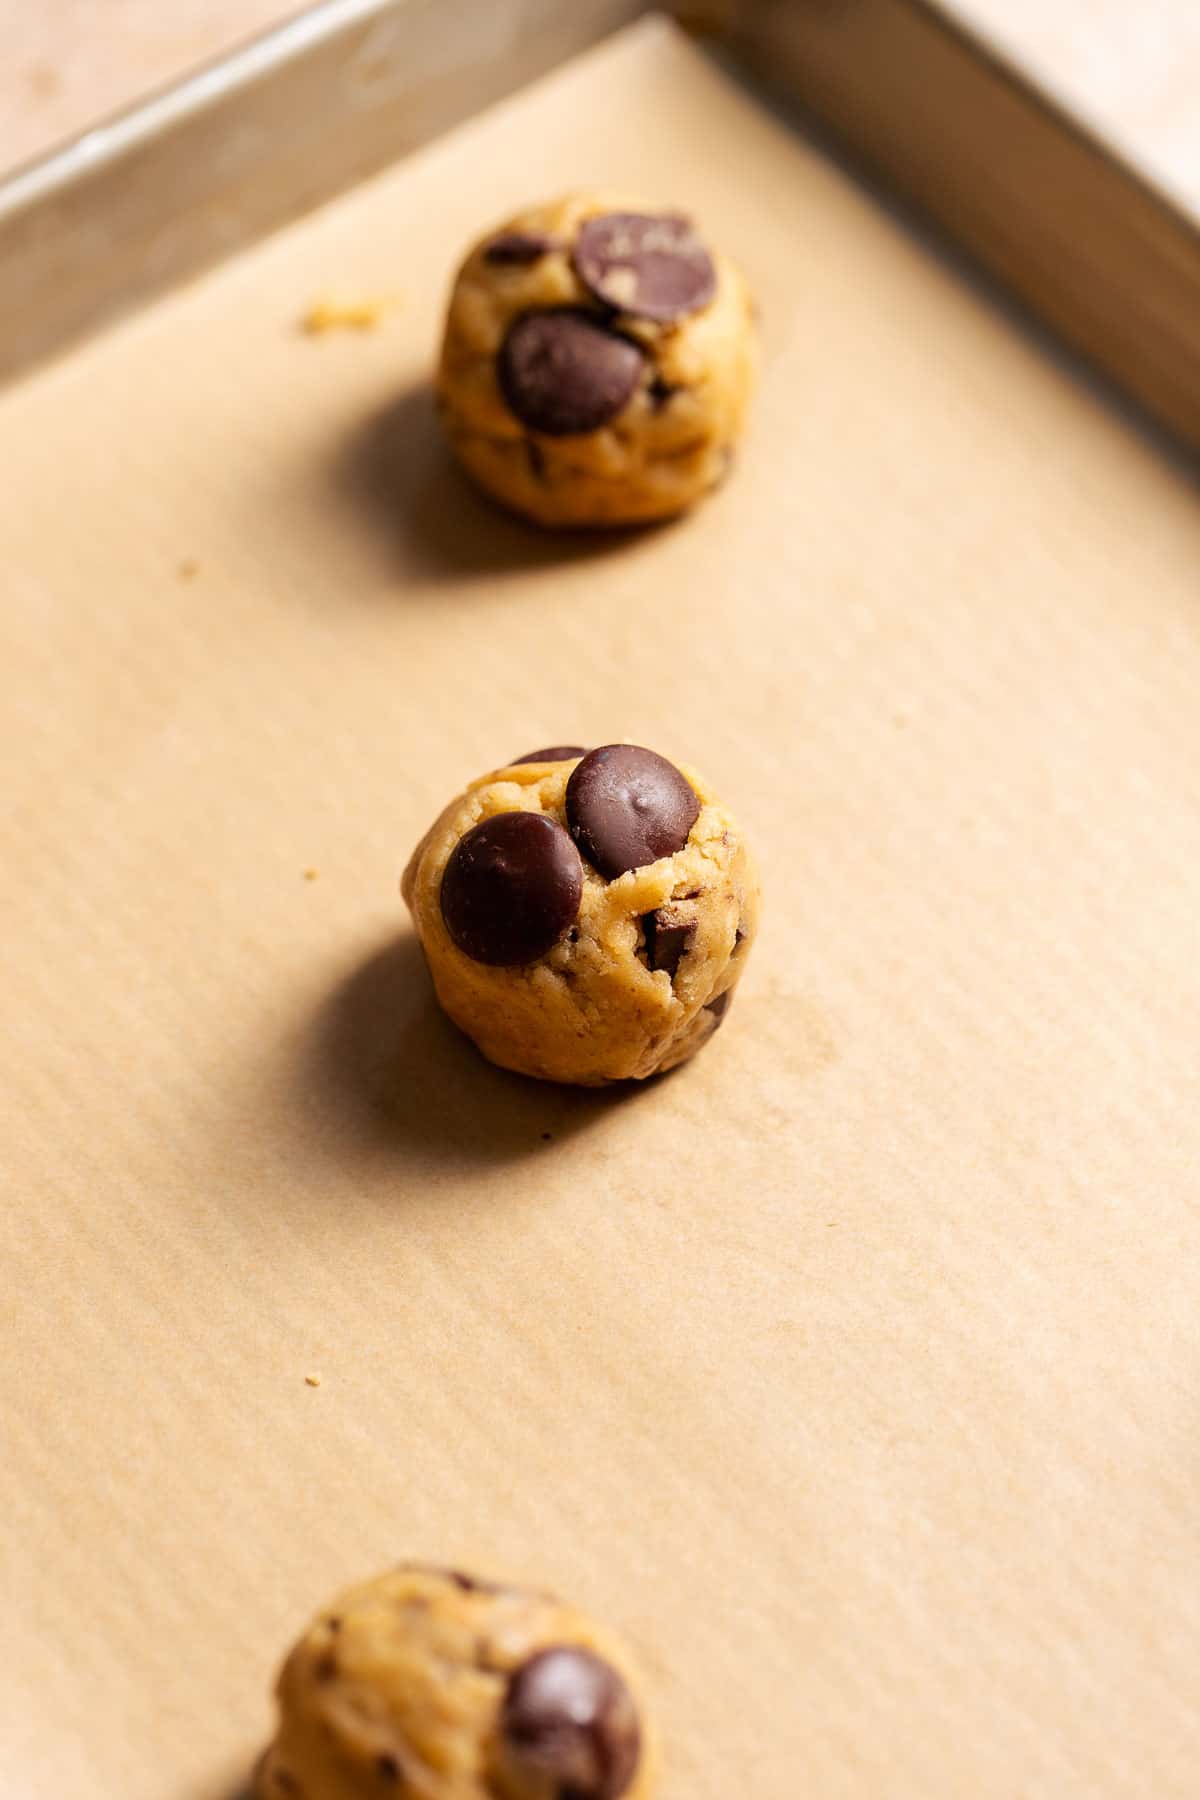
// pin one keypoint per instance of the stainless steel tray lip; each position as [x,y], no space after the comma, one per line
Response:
[1093,250]
[137,126]
[1057,112]
[162,192]
[41,178]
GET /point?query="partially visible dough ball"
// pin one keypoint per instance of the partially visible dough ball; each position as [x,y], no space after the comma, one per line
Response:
[585,916]
[427,1684]
[597,363]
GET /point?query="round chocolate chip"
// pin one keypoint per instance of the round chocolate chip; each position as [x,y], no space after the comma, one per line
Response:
[563,372]
[652,265]
[570,1725]
[511,888]
[627,807]
[556,753]
[518,248]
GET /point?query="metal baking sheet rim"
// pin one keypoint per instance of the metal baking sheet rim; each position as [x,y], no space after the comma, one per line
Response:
[162,192]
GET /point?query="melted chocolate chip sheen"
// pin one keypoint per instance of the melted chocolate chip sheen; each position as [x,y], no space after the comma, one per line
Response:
[569,1719]
[627,807]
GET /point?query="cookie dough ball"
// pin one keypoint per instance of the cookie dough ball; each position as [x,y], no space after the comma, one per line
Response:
[597,363]
[431,1684]
[585,916]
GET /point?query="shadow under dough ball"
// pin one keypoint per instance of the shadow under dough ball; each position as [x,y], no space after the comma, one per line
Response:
[585,915]
[597,362]
[432,1681]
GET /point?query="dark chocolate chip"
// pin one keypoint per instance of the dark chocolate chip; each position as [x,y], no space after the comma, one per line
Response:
[472,1584]
[556,753]
[563,372]
[537,459]
[627,807]
[668,934]
[570,1724]
[518,247]
[511,888]
[653,265]
[388,1769]
[720,1006]
[660,393]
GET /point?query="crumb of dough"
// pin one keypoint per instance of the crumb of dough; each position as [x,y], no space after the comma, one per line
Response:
[332,314]
[189,568]
[313,1380]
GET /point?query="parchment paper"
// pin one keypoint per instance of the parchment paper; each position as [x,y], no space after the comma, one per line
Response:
[852,1371]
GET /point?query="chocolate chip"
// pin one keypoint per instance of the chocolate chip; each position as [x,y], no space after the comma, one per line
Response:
[511,888]
[556,753]
[720,1006]
[388,1769]
[653,265]
[471,1584]
[668,934]
[326,1667]
[569,1724]
[563,372]
[537,459]
[660,393]
[518,247]
[627,807]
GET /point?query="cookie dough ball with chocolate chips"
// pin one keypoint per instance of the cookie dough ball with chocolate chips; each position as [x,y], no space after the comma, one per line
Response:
[427,1682]
[597,362]
[585,915]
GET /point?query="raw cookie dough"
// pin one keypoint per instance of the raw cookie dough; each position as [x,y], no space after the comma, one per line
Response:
[585,916]
[432,1685]
[597,362]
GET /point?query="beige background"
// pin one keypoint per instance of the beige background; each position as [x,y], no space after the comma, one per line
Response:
[853,1371]
[1131,67]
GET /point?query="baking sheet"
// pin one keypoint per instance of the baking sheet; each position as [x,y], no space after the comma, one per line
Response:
[851,1371]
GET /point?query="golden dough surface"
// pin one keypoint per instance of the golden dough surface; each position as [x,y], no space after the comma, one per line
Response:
[592,1010]
[670,444]
[397,1689]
